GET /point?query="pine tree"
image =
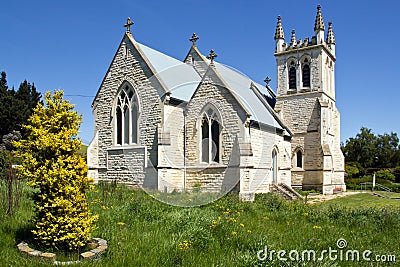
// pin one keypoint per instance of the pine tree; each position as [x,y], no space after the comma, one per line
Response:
[3,82]
[51,163]
[16,107]
[25,100]
[6,102]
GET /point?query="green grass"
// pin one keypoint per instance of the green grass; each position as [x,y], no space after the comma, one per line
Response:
[142,231]
[365,200]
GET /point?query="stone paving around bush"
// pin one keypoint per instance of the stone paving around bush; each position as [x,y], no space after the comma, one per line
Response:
[98,246]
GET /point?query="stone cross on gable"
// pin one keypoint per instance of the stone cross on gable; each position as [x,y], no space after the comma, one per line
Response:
[212,55]
[128,25]
[194,39]
[267,80]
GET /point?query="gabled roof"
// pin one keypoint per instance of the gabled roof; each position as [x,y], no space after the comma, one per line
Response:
[180,78]
[241,86]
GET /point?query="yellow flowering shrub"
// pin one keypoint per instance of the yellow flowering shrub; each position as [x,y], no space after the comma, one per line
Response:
[51,164]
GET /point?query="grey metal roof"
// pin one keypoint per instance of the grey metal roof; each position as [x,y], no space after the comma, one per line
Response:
[182,81]
[180,78]
[240,85]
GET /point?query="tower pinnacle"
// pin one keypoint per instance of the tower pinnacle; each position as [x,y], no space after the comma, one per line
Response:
[319,22]
[279,36]
[293,40]
[279,30]
[330,38]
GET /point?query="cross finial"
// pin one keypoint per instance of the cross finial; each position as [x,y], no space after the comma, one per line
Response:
[267,80]
[128,25]
[194,38]
[212,55]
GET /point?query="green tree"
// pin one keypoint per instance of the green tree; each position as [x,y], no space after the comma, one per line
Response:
[362,148]
[6,103]
[51,163]
[387,148]
[16,107]
[24,101]
[3,82]
[371,151]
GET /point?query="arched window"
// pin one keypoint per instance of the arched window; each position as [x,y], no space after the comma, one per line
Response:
[299,159]
[306,73]
[292,76]
[274,167]
[210,137]
[127,115]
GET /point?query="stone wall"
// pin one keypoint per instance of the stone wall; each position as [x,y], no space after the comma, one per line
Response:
[213,93]
[315,123]
[129,66]
[282,60]
[263,142]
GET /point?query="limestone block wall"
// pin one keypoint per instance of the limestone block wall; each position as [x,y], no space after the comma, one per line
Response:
[92,157]
[282,60]
[127,165]
[128,65]
[171,179]
[171,147]
[195,59]
[315,123]
[212,92]
[263,143]
[302,114]
[171,158]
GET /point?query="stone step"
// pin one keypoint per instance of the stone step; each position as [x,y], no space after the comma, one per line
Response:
[285,191]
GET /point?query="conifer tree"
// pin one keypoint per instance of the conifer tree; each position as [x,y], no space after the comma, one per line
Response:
[24,101]
[16,106]
[51,163]
[6,101]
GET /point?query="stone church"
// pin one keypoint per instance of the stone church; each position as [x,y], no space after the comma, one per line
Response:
[196,123]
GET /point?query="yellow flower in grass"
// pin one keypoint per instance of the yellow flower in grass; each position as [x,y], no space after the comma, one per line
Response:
[234,233]
[214,223]
[317,227]
[241,225]
[184,245]
[121,223]
[249,231]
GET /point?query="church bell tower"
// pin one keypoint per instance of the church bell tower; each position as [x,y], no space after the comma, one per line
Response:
[306,102]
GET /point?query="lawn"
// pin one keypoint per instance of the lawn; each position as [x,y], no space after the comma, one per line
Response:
[142,231]
[365,200]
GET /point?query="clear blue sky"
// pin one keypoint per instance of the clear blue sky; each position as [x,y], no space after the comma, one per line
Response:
[70,44]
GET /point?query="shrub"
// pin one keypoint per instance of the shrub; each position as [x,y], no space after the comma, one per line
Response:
[396,173]
[385,174]
[3,161]
[51,163]
[354,169]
